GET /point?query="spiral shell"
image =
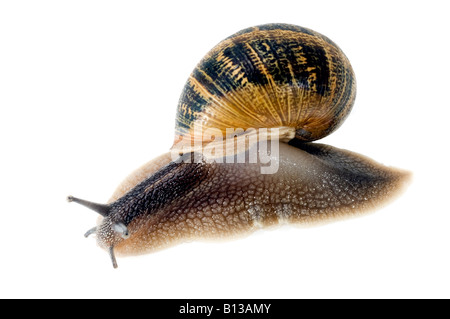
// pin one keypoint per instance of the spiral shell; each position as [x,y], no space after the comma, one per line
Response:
[269,76]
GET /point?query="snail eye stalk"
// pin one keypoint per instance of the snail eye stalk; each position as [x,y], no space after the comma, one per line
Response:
[101,209]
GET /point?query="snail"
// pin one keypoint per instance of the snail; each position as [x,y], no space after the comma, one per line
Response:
[275,88]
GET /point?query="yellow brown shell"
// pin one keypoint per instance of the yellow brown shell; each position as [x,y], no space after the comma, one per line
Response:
[269,76]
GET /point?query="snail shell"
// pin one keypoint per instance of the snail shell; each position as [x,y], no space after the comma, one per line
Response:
[269,76]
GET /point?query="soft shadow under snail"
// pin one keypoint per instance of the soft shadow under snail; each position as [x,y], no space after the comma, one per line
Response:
[270,76]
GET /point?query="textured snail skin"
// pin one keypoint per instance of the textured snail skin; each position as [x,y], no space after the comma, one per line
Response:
[279,76]
[186,201]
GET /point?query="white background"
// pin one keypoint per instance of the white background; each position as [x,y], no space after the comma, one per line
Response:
[88,92]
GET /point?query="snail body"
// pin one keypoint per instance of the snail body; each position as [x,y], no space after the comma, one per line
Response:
[274,76]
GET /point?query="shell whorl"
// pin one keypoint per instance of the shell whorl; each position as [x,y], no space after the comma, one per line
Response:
[274,75]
